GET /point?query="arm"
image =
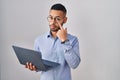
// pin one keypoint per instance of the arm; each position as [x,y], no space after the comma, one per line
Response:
[71,52]
[71,49]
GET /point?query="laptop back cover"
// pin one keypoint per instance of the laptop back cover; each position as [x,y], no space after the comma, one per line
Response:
[27,55]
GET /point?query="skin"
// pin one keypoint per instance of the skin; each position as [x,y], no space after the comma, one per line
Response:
[56,29]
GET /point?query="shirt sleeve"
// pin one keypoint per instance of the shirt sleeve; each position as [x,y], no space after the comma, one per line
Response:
[71,52]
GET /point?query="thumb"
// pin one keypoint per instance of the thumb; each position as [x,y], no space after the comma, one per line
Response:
[58,32]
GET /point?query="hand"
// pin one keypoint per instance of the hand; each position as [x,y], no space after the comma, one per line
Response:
[62,33]
[30,66]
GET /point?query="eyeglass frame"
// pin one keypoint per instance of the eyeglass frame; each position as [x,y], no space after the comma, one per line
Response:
[57,18]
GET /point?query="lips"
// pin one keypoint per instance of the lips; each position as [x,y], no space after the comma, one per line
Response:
[52,26]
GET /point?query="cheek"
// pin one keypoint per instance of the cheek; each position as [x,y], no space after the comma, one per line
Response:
[49,23]
[55,24]
[52,23]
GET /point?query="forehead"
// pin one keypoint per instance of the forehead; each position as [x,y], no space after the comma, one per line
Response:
[55,13]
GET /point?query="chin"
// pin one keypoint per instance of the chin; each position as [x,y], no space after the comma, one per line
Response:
[54,30]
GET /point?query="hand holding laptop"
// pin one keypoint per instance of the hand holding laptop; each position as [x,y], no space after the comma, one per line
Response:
[30,66]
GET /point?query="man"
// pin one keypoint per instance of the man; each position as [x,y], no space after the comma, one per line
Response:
[57,46]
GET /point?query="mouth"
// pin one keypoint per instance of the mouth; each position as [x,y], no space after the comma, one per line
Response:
[54,28]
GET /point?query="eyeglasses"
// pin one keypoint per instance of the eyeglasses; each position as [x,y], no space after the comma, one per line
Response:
[50,18]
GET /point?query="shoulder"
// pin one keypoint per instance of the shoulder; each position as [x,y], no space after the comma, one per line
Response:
[71,37]
[41,37]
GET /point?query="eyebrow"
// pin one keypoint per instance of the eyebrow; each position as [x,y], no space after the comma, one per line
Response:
[55,16]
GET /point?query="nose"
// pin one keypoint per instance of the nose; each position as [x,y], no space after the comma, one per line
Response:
[53,21]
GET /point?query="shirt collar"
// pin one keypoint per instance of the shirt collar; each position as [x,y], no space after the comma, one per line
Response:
[49,34]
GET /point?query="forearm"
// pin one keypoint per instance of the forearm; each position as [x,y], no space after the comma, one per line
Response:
[72,59]
[72,54]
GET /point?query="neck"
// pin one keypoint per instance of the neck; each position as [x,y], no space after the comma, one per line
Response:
[54,34]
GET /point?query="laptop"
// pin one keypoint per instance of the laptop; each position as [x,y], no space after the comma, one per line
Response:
[26,55]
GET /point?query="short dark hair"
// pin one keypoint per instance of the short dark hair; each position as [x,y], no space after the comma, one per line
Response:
[59,6]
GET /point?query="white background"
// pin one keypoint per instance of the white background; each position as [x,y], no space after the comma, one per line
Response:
[95,22]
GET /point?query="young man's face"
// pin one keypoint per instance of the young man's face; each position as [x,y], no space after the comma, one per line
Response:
[55,17]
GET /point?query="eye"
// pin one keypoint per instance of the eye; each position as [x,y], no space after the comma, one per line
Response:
[57,18]
[50,18]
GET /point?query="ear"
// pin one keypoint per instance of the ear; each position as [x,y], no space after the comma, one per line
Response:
[65,20]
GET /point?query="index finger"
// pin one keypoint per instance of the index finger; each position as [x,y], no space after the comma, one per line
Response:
[60,26]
